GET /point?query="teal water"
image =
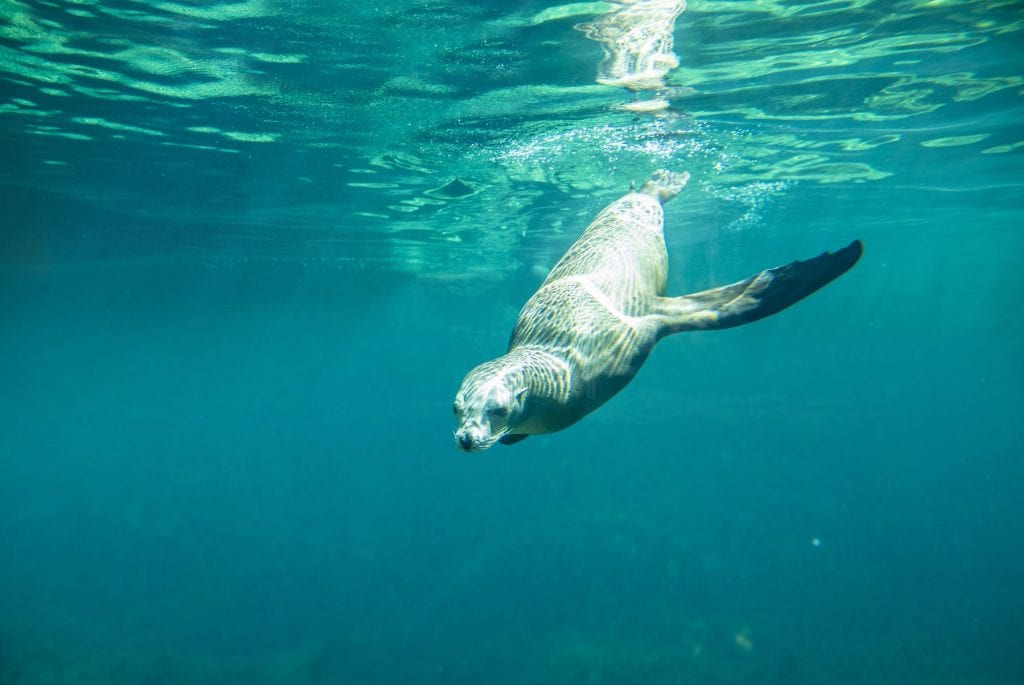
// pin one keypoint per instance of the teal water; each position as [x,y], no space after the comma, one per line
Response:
[248,251]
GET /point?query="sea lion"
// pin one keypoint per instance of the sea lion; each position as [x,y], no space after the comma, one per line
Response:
[596,317]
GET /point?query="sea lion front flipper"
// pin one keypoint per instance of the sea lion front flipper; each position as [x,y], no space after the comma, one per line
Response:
[755,297]
[512,439]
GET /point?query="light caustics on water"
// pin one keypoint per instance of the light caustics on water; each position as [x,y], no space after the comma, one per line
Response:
[77,57]
[467,152]
[792,93]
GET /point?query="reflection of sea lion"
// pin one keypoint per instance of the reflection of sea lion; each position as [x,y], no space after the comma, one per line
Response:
[584,334]
[636,38]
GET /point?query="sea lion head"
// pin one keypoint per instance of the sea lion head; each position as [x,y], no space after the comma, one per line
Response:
[489,405]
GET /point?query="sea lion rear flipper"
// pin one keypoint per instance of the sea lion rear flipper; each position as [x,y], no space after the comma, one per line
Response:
[758,296]
[664,184]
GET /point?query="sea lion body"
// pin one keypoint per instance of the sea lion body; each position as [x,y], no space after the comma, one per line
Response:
[596,317]
[591,312]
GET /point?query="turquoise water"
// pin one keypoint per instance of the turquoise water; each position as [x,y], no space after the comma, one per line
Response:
[248,251]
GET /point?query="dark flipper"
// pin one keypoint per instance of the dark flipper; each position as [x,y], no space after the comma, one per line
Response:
[756,297]
[512,439]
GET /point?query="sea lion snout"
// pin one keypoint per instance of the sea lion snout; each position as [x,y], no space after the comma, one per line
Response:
[472,438]
[464,441]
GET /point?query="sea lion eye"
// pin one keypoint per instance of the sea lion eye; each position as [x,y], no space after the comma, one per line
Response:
[500,412]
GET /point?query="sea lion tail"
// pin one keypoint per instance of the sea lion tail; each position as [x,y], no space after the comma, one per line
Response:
[664,184]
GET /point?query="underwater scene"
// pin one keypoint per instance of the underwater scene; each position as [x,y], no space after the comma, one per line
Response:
[250,251]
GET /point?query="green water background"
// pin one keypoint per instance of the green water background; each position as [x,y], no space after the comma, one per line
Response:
[248,250]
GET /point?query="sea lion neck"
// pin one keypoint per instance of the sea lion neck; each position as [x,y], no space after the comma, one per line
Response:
[547,374]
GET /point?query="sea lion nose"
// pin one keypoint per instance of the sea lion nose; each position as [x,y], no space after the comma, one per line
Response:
[465,441]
